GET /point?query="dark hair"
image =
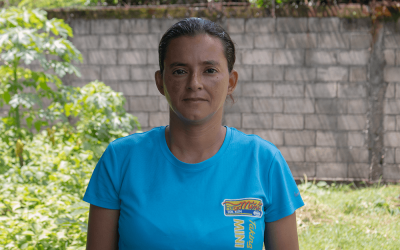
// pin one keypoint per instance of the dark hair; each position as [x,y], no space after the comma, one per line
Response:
[194,26]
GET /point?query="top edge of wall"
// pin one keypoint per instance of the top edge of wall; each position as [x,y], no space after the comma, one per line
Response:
[217,11]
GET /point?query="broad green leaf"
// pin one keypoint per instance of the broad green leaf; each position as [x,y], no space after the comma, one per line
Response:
[29,121]
[38,125]
[7,97]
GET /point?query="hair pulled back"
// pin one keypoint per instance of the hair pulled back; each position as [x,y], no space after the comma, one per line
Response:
[195,26]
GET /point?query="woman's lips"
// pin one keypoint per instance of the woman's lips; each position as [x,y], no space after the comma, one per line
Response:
[194,100]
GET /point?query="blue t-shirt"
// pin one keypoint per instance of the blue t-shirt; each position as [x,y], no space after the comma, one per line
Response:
[220,203]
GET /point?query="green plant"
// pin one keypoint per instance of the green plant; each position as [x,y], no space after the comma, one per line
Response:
[27,37]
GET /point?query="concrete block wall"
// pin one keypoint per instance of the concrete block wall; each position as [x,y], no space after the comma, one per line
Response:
[303,85]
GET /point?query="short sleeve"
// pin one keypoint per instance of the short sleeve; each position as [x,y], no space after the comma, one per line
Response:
[103,188]
[283,193]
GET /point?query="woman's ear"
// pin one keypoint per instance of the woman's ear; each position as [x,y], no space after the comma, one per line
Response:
[233,78]
[159,81]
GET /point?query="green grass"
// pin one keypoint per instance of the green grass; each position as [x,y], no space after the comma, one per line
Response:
[345,217]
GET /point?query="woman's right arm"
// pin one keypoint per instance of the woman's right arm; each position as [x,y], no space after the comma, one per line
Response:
[102,229]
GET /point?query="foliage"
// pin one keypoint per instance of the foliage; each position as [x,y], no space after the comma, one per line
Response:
[347,217]
[27,36]
[40,203]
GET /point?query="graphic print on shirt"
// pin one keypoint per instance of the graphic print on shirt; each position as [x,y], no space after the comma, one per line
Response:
[240,233]
[251,207]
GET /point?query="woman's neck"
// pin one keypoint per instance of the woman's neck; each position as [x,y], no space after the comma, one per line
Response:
[194,143]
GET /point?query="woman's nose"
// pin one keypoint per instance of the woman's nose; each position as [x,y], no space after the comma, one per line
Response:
[195,82]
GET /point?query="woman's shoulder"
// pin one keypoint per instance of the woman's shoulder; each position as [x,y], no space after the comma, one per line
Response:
[140,139]
[252,141]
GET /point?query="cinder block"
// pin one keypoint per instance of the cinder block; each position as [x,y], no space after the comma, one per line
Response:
[320,57]
[352,122]
[352,90]
[357,106]
[165,25]
[389,123]
[163,104]
[331,170]
[293,154]
[152,57]
[142,41]
[321,154]
[132,57]
[288,90]
[102,57]
[232,120]
[258,57]
[80,26]
[140,73]
[234,25]
[321,122]
[241,105]
[86,42]
[245,73]
[155,25]
[329,138]
[391,74]
[353,57]
[352,154]
[267,105]
[105,26]
[360,41]
[152,89]
[133,88]
[299,169]
[356,24]
[389,156]
[114,42]
[326,24]
[392,139]
[288,121]
[270,41]
[268,73]
[299,138]
[391,172]
[392,107]
[358,74]
[390,57]
[330,106]
[143,118]
[288,57]
[300,106]
[257,89]
[300,74]
[134,26]
[392,41]
[398,123]
[357,139]
[358,170]
[143,104]
[89,73]
[333,41]
[260,121]
[391,27]
[291,25]
[115,73]
[301,41]
[260,25]
[397,155]
[273,136]
[398,57]
[321,90]
[159,119]
[332,74]
[243,41]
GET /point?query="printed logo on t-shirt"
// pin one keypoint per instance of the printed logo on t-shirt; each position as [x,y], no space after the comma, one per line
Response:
[251,207]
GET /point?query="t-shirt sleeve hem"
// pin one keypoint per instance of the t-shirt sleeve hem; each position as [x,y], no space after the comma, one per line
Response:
[288,210]
[100,203]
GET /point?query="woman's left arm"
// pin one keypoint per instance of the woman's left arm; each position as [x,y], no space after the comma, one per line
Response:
[281,234]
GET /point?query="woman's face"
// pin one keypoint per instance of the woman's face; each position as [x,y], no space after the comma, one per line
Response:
[196,80]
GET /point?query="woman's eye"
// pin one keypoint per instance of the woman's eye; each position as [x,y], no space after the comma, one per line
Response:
[179,72]
[210,71]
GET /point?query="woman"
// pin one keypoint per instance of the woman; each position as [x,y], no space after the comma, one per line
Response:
[194,184]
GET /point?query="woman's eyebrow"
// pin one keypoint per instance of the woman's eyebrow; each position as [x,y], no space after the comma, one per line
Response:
[211,62]
[177,64]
